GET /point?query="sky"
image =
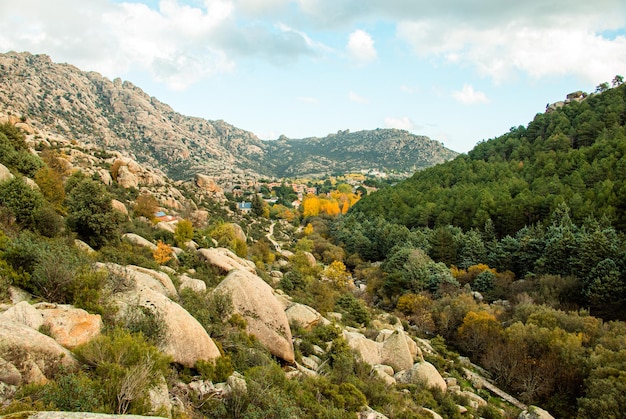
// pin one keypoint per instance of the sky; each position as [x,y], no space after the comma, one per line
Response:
[458,71]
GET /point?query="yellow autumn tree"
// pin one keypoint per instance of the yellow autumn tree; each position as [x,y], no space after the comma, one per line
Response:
[329,207]
[478,330]
[163,253]
[311,206]
[337,274]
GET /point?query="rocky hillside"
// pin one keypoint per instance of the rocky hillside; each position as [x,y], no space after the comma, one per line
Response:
[117,115]
[385,150]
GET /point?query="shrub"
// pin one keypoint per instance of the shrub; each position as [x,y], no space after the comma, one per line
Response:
[22,200]
[354,310]
[125,366]
[90,213]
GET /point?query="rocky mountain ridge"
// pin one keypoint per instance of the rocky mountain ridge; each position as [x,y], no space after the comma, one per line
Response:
[118,115]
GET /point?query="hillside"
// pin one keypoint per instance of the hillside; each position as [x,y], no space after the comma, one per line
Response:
[109,306]
[383,150]
[119,116]
[573,155]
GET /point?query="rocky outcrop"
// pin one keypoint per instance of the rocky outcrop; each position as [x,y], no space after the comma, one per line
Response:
[35,356]
[185,338]
[68,325]
[254,299]
[226,260]
[422,372]
[207,184]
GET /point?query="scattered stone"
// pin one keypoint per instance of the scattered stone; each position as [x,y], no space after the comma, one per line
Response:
[119,207]
[369,413]
[5,174]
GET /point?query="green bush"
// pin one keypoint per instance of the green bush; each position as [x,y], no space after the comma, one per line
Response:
[354,311]
[90,213]
[22,200]
[125,367]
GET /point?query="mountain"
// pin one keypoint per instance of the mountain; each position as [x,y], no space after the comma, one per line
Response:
[118,115]
[381,149]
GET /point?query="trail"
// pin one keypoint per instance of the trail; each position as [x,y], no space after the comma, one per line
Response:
[271,239]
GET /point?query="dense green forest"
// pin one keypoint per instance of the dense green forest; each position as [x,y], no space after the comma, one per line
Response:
[572,155]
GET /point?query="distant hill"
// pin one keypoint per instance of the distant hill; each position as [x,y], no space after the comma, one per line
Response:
[572,154]
[386,150]
[120,116]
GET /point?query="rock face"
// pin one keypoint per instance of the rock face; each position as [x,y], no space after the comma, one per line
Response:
[226,260]
[254,300]
[70,326]
[422,372]
[35,356]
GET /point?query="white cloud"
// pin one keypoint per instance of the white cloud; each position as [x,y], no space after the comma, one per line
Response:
[354,97]
[399,123]
[361,46]
[569,45]
[468,96]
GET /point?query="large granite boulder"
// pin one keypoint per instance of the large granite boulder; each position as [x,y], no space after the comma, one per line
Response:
[68,325]
[422,372]
[139,241]
[137,276]
[185,340]
[254,299]
[303,315]
[35,356]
